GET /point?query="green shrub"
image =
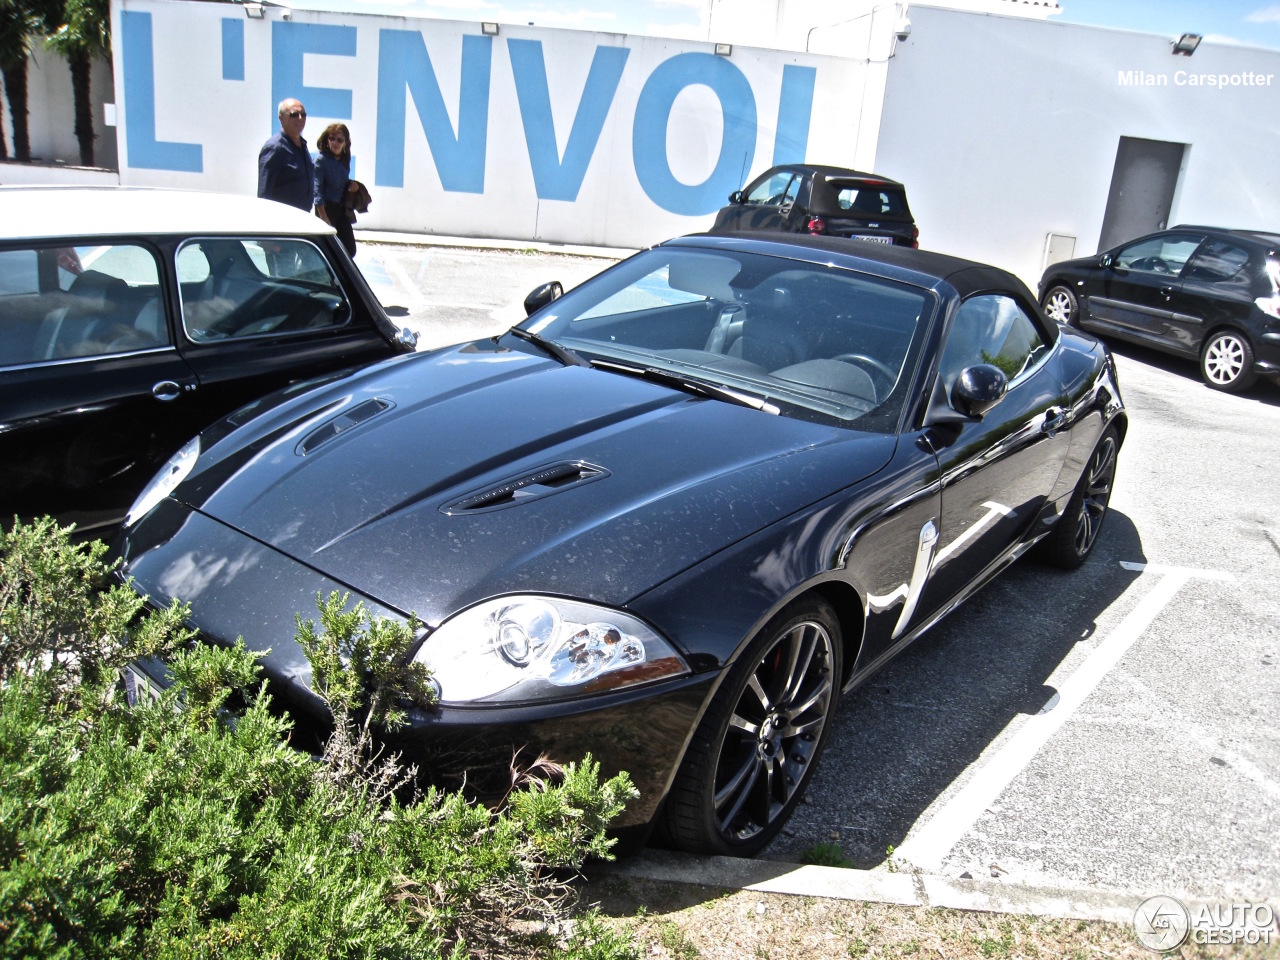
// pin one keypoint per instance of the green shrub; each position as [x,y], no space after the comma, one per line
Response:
[183,828]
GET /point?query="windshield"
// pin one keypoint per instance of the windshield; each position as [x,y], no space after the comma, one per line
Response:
[814,340]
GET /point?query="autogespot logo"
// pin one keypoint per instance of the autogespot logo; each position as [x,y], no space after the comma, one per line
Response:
[1164,923]
[1161,923]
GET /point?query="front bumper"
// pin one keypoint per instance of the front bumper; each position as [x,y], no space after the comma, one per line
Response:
[238,587]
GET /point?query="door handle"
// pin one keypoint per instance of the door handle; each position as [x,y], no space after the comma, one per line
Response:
[1166,292]
[1054,418]
[166,390]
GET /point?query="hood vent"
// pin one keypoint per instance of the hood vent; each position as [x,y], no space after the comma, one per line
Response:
[525,488]
[344,421]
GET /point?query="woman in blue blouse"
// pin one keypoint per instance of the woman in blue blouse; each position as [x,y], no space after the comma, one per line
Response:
[333,181]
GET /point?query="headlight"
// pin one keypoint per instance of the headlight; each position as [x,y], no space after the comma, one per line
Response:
[162,484]
[542,648]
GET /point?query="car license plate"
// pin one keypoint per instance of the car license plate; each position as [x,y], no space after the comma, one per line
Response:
[875,239]
[138,687]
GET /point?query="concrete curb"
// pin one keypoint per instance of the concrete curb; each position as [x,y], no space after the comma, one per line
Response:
[481,243]
[876,886]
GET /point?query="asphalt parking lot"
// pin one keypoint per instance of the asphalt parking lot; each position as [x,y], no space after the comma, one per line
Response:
[1113,727]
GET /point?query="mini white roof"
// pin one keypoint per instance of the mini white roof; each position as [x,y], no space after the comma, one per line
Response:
[41,213]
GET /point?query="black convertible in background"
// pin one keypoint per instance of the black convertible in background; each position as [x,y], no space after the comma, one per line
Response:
[669,519]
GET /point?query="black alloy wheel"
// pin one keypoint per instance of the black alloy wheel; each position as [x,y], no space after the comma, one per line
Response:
[757,746]
[1226,363]
[1060,305]
[1076,531]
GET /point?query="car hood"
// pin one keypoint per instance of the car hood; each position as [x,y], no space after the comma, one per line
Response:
[435,481]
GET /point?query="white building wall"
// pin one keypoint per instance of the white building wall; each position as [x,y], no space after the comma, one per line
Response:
[197,85]
[1006,130]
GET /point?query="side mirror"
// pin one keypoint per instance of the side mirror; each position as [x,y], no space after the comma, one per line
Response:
[737,197]
[978,389]
[539,297]
[407,339]
[1105,260]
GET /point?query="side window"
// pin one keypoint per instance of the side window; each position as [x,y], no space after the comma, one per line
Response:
[1216,261]
[233,288]
[1163,255]
[60,303]
[991,328]
[779,189]
[18,272]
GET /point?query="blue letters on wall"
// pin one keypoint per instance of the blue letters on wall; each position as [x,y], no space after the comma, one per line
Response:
[403,64]
[649,132]
[289,42]
[795,106]
[233,48]
[555,178]
[144,150]
[406,71]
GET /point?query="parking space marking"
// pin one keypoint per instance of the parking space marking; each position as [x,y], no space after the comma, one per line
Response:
[928,844]
[406,283]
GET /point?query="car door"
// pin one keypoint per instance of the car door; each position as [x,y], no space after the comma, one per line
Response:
[766,204]
[1135,292]
[93,393]
[996,473]
[259,313]
[1217,288]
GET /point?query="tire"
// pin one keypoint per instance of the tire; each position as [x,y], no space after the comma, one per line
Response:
[758,743]
[1226,362]
[1074,535]
[1060,304]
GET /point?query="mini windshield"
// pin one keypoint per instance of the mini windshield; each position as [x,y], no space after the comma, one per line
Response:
[814,340]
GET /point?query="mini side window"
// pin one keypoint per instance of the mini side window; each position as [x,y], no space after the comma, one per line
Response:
[69,302]
[779,189]
[235,288]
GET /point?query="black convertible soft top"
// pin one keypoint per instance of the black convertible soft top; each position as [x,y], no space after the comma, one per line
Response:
[926,266]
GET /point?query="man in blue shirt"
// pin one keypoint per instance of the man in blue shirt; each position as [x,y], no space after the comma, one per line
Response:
[285,170]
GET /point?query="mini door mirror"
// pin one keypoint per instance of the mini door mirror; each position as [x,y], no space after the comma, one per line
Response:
[539,297]
[978,389]
[1105,260]
[407,339]
[737,197]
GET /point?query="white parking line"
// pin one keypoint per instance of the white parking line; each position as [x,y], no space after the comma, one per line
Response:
[407,285]
[928,844]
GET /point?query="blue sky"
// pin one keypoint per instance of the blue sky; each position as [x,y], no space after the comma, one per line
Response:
[1251,22]
[1255,23]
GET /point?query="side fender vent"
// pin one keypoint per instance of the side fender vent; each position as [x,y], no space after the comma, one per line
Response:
[344,421]
[527,487]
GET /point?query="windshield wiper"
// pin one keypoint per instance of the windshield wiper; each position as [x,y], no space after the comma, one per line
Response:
[701,388]
[563,354]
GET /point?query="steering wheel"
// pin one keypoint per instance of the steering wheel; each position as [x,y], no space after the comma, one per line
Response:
[863,360]
[1153,264]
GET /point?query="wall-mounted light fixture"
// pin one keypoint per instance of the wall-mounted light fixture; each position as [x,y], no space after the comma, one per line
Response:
[1186,44]
[724,49]
[254,11]
[489,29]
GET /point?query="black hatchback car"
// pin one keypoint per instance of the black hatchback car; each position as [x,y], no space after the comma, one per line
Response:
[1200,292]
[831,201]
[130,319]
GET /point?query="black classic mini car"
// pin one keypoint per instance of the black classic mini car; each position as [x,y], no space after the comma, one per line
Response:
[1197,292]
[821,200]
[130,319]
[669,519]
